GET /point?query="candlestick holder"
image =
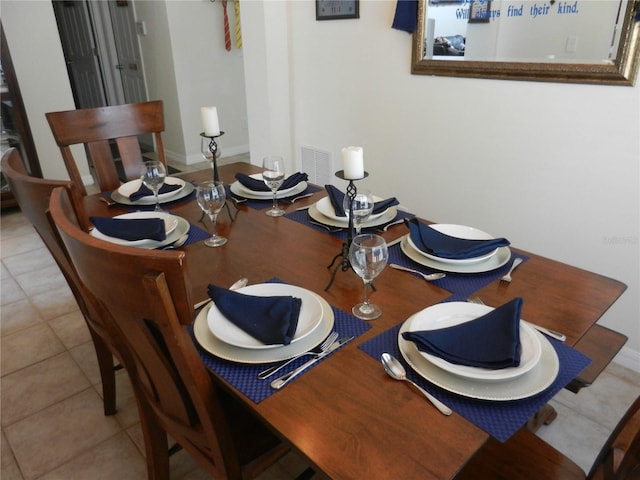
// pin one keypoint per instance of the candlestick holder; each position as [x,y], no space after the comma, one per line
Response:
[209,151]
[344,263]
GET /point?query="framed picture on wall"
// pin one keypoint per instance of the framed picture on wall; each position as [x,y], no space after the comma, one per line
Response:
[479,11]
[337,9]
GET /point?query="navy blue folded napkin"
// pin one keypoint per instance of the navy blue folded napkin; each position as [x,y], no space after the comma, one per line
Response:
[271,320]
[131,229]
[337,197]
[491,341]
[144,191]
[429,240]
[258,185]
[406,16]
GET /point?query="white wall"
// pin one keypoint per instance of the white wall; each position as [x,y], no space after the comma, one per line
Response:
[37,57]
[553,167]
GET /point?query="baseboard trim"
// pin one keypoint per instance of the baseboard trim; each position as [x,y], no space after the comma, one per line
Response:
[628,358]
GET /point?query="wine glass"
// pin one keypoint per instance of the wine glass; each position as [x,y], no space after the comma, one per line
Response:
[211,197]
[152,175]
[368,255]
[362,208]
[273,176]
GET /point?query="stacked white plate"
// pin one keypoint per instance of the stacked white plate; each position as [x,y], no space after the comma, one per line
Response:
[121,195]
[539,364]
[240,190]
[219,336]
[323,212]
[175,227]
[484,263]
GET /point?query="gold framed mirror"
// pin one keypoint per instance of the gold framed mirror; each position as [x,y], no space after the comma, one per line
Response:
[515,43]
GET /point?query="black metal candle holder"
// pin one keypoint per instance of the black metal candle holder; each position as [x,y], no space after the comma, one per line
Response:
[213,148]
[345,264]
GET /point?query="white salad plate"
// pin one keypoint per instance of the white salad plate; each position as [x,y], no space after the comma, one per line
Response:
[175,227]
[536,380]
[389,215]
[308,320]
[238,189]
[449,314]
[501,257]
[220,349]
[458,231]
[325,207]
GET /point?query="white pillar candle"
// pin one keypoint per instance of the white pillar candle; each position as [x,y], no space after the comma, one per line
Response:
[210,121]
[353,160]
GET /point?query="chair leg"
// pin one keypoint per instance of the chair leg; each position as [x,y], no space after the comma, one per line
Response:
[155,444]
[307,474]
[107,375]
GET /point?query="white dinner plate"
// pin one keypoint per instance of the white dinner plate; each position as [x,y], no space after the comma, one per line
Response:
[308,321]
[533,382]
[170,224]
[186,189]
[449,314]
[240,190]
[325,207]
[133,186]
[220,349]
[501,257]
[458,231]
[389,215]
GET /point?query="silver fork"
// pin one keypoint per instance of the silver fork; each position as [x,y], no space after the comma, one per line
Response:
[314,351]
[514,265]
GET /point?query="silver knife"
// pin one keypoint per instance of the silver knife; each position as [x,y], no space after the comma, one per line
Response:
[280,382]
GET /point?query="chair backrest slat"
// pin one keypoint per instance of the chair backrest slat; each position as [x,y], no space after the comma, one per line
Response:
[97,127]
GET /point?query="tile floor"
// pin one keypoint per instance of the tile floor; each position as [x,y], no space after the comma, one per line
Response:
[51,408]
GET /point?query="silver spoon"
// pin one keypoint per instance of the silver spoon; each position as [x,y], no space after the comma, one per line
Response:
[428,278]
[235,286]
[396,371]
[514,265]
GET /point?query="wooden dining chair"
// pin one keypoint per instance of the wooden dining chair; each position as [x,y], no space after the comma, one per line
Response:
[32,195]
[143,292]
[98,128]
[525,456]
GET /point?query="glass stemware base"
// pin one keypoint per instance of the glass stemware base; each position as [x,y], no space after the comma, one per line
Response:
[275,212]
[366,311]
[215,241]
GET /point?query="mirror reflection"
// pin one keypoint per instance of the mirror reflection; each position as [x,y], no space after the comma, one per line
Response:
[592,41]
[577,31]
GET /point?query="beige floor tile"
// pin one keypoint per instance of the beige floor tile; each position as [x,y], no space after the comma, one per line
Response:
[10,292]
[4,273]
[38,386]
[115,458]
[55,302]
[15,224]
[8,467]
[41,281]
[85,356]
[127,414]
[17,316]
[29,346]
[71,329]
[32,261]
[17,244]
[50,438]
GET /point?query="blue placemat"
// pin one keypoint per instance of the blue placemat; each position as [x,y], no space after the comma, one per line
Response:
[244,377]
[302,216]
[196,234]
[499,419]
[461,285]
[267,202]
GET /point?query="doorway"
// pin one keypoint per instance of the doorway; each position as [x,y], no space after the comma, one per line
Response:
[101,49]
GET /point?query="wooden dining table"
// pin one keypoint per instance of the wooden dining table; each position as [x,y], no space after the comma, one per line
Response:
[345,416]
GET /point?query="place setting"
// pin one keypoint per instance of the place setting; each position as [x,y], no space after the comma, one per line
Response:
[271,186]
[486,364]
[153,188]
[148,229]
[259,337]
[458,258]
